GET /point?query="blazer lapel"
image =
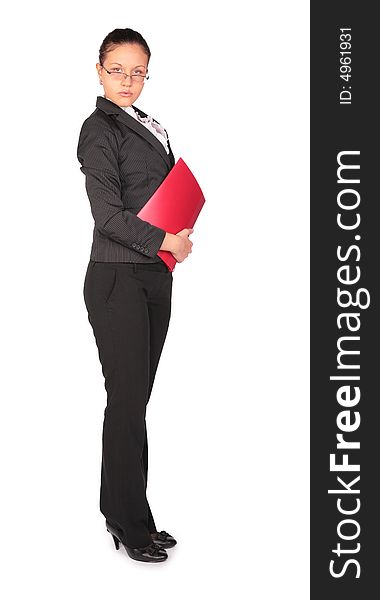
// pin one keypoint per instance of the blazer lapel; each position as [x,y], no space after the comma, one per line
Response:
[110,107]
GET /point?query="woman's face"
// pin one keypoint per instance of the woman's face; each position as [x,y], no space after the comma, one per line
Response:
[133,60]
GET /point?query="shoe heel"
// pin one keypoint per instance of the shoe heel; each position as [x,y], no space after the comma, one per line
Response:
[115,539]
[117,543]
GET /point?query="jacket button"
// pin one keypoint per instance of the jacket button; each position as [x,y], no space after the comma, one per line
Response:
[133,245]
[146,250]
[137,246]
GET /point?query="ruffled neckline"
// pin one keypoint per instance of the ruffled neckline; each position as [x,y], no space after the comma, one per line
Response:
[148,122]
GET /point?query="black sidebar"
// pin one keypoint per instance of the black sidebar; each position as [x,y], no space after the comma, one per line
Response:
[345,273]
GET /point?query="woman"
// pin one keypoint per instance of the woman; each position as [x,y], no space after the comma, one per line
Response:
[125,155]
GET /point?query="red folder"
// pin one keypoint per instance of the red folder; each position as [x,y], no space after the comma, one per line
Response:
[175,205]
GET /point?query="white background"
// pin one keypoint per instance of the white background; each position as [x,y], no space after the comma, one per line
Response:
[228,419]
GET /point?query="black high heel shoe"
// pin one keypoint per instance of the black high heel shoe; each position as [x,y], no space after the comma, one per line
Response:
[163,539]
[151,553]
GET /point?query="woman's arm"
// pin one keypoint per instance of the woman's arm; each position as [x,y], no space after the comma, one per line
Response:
[98,154]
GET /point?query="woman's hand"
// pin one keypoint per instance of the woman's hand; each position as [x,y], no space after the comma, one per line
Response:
[178,244]
[183,245]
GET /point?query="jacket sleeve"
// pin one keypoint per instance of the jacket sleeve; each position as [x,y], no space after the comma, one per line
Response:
[97,153]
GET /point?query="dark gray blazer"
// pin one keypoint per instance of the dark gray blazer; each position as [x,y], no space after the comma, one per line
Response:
[124,164]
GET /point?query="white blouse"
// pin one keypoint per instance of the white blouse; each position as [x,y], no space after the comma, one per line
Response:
[157,129]
[153,126]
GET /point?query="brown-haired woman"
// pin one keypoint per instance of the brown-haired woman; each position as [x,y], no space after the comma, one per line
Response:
[125,155]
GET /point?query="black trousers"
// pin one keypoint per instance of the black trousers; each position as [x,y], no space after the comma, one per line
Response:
[128,307]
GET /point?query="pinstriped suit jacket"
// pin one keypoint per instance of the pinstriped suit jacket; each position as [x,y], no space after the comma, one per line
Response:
[124,163]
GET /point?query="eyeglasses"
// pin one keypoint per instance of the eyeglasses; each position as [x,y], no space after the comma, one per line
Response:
[118,74]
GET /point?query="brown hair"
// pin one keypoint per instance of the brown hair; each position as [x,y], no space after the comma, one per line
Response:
[122,36]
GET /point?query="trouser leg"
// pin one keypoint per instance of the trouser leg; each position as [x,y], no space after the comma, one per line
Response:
[119,317]
[151,524]
[159,316]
